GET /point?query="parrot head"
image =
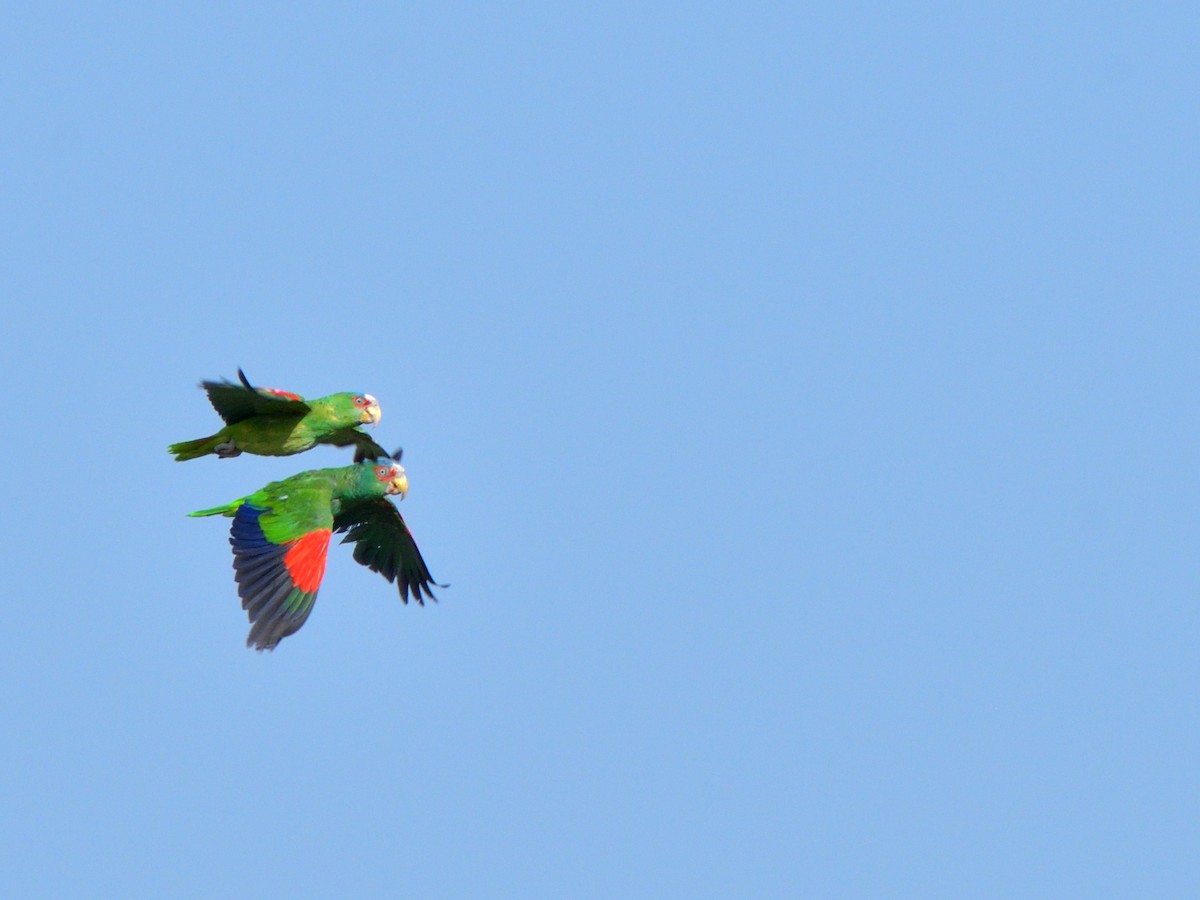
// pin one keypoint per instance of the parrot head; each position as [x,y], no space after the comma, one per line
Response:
[369,409]
[391,476]
[352,409]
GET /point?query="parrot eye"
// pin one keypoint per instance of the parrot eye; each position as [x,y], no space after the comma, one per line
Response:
[382,472]
[360,401]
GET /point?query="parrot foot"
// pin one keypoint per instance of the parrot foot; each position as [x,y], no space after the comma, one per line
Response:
[227,450]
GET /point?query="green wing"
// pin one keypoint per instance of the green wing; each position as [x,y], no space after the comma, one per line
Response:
[295,506]
[383,543]
[280,539]
[237,402]
[364,447]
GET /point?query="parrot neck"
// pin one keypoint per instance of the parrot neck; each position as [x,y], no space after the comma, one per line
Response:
[333,412]
[355,483]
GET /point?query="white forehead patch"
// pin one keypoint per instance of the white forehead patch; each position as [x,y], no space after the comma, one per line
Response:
[370,399]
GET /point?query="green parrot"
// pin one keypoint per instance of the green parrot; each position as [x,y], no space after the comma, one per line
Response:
[280,537]
[268,422]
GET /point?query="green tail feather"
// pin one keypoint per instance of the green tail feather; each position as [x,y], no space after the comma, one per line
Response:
[227,510]
[193,449]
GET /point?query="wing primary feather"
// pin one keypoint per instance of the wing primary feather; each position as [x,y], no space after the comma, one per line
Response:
[248,574]
[384,544]
[252,586]
[259,602]
[249,565]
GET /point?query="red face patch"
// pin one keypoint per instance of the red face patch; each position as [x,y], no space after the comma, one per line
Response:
[360,401]
[383,473]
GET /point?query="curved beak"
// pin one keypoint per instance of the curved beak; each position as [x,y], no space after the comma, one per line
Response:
[372,414]
[399,485]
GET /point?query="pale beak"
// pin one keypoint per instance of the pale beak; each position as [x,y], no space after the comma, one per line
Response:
[372,414]
[399,485]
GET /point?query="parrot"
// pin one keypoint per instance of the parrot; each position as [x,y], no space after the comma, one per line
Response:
[280,538]
[270,422]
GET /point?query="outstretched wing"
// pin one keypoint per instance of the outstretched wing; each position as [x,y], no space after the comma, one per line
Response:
[384,544]
[279,558]
[364,447]
[236,402]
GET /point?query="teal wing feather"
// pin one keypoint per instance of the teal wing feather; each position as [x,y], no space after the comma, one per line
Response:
[383,543]
[237,402]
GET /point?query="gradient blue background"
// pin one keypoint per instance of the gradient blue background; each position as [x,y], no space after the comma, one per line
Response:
[799,398]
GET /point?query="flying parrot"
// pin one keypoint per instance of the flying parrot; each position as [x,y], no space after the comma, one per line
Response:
[269,422]
[280,537]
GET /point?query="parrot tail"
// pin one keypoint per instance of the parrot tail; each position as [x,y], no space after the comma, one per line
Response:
[227,510]
[193,449]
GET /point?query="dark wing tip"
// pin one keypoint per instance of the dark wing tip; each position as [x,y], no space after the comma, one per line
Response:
[365,448]
[244,380]
[384,544]
[419,590]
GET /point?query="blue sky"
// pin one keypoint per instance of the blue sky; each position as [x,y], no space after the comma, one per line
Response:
[799,401]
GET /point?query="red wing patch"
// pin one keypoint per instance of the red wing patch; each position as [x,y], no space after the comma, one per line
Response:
[305,560]
[286,395]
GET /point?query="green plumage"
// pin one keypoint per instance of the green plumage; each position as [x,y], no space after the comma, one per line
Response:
[267,422]
[305,502]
